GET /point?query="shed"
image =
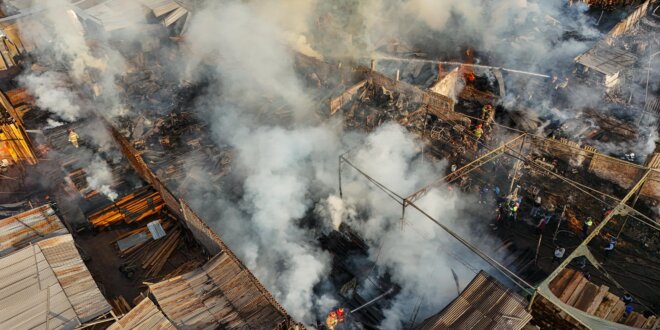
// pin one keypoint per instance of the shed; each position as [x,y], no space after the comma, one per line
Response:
[47,286]
[606,64]
[484,304]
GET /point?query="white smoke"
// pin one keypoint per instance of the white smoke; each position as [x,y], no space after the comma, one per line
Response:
[286,170]
[52,93]
[100,178]
[417,254]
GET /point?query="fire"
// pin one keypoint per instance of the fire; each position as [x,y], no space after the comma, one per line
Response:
[466,70]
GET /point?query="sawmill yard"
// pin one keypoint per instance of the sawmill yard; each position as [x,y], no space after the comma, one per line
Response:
[171,164]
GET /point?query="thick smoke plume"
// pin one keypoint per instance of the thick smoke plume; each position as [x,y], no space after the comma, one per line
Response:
[283,193]
[52,95]
[99,177]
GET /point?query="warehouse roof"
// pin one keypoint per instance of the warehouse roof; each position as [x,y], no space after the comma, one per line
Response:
[47,286]
[219,294]
[484,304]
[145,315]
[28,227]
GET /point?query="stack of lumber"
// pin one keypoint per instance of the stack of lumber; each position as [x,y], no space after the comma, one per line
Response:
[134,207]
[150,257]
[165,223]
[571,287]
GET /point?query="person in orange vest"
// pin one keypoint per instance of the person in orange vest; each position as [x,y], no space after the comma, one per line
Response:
[331,321]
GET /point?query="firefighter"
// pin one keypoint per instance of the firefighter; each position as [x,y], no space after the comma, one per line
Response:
[73,137]
[478,131]
[487,114]
[331,321]
[341,314]
[486,111]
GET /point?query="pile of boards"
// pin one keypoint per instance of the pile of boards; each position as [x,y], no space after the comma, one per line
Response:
[148,257]
[571,287]
[134,207]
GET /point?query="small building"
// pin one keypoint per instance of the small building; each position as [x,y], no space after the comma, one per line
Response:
[606,66]
[46,285]
[484,304]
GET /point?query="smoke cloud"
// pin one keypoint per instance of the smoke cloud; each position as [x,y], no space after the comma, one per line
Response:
[100,178]
[282,193]
[53,95]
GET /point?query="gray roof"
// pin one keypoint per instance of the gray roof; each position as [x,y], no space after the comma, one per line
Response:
[47,286]
[607,59]
[28,227]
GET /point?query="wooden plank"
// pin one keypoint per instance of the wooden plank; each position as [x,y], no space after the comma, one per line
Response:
[577,293]
[635,319]
[559,283]
[603,290]
[587,297]
[570,287]
[617,311]
[606,305]
[650,322]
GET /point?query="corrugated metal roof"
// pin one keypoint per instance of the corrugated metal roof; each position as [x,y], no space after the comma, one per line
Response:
[219,294]
[607,59]
[29,227]
[484,304]
[145,315]
[47,286]
[113,13]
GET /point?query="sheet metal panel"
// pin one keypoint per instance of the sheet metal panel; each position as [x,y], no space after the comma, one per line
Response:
[219,294]
[482,305]
[143,316]
[28,227]
[30,294]
[76,281]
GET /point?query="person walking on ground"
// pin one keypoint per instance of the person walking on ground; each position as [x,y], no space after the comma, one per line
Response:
[586,225]
[537,206]
[610,246]
[559,254]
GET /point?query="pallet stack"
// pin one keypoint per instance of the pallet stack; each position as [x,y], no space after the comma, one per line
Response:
[130,208]
[572,288]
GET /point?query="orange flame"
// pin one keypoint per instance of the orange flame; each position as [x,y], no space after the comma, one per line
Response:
[466,70]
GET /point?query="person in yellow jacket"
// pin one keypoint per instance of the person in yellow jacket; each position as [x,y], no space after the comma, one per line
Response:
[73,137]
[331,321]
[478,131]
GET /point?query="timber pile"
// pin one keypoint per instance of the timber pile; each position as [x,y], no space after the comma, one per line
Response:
[134,207]
[150,257]
[572,288]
